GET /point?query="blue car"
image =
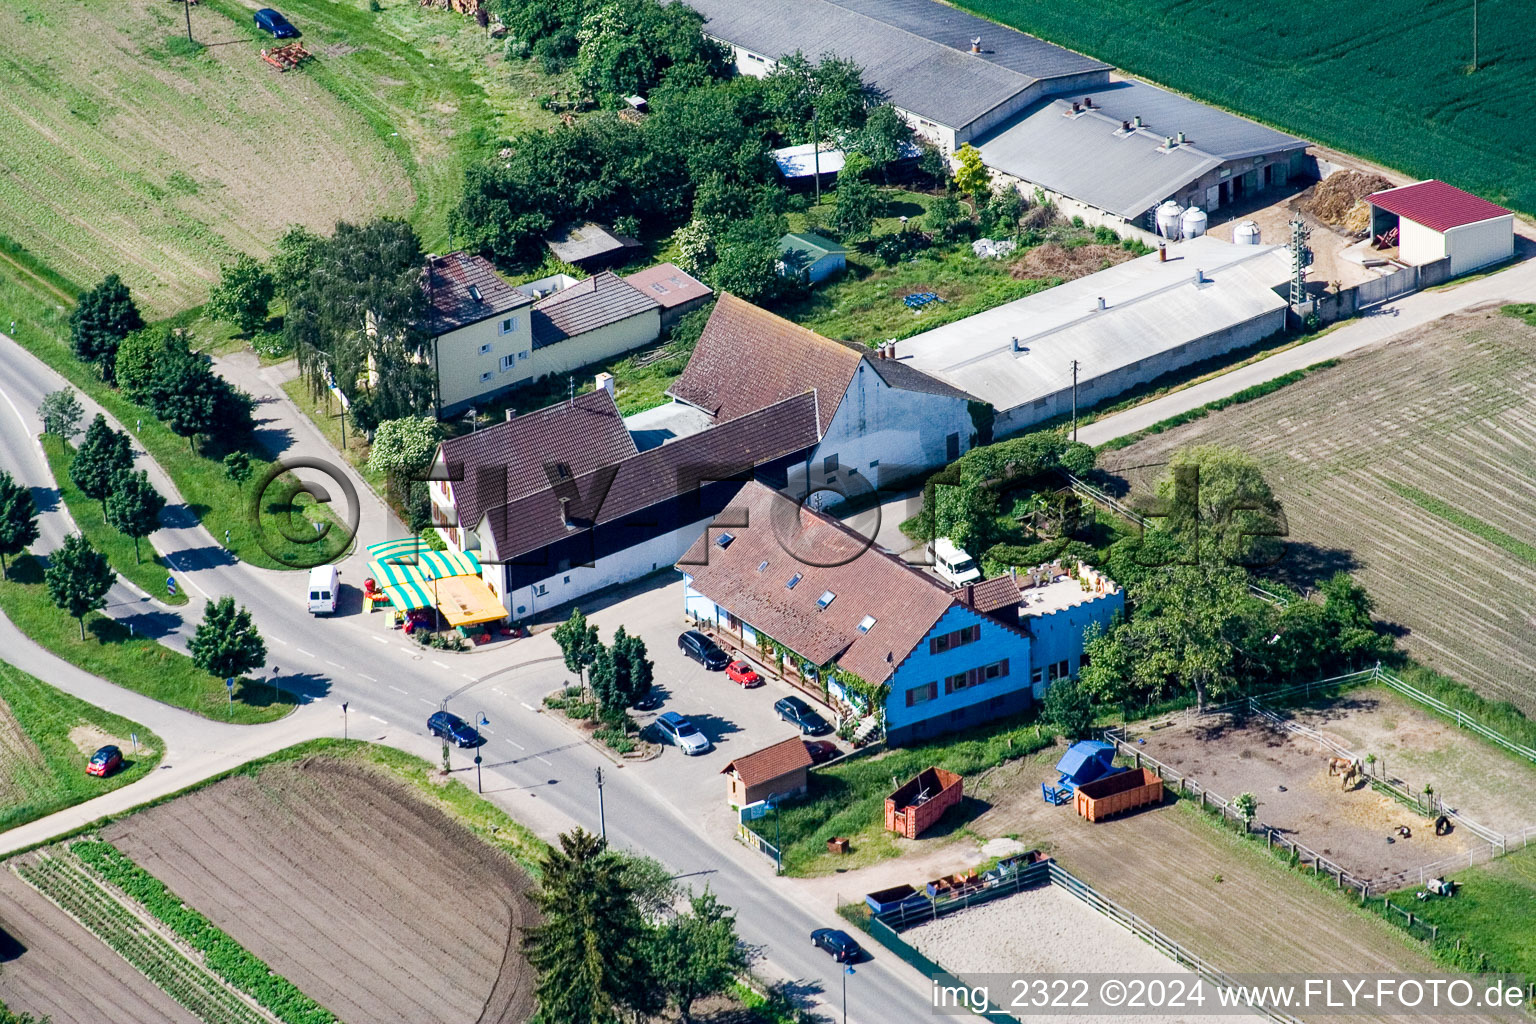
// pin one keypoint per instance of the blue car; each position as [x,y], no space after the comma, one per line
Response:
[452,727]
[269,20]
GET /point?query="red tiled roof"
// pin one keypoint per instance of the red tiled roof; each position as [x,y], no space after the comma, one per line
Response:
[1436,205]
[450,303]
[771,762]
[990,595]
[508,461]
[669,285]
[748,358]
[781,538]
[616,488]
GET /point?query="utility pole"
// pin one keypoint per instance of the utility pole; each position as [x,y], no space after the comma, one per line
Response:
[186,6]
[1074,400]
[1474,35]
[816,147]
[602,820]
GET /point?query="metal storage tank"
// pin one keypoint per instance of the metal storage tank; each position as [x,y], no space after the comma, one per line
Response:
[1193,223]
[1168,219]
[1246,233]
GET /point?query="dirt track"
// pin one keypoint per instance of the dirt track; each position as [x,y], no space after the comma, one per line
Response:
[374,904]
[63,971]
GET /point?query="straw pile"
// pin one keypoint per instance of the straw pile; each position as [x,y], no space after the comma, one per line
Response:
[1067,263]
[1337,200]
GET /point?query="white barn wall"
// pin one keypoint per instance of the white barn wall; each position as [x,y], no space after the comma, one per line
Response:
[1419,244]
[1473,246]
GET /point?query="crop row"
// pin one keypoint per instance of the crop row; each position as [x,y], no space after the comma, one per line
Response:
[149,953]
[221,954]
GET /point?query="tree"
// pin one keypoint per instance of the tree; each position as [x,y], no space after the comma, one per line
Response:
[138,357]
[78,578]
[1069,709]
[237,466]
[884,137]
[933,163]
[815,102]
[1001,214]
[102,457]
[18,519]
[626,49]
[1247,805]
[243,294]
[697,954]
[134,506]
[226,644]
[1348,609]
[588,951]
[972,176]
[943,216]
[60,412]
[404,447]
[857,206]
[292,259]
[578,642]
[101,319]
[194,400]
[1220,509]
[655,890]
[637,673]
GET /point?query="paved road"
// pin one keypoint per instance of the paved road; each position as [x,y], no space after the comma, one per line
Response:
[535,767]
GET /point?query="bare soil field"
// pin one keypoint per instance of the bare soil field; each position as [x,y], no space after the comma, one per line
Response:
[374,904]
[1412,466]
[121,155]
[50,965]
[20,760]
[1288,774]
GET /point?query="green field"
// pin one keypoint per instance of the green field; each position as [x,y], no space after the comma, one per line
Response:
[1490,914]
[134,662]
[46,737]
[1390,83]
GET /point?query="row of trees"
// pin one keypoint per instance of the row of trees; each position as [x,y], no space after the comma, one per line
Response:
[619,674]
[612,942]
[102,467]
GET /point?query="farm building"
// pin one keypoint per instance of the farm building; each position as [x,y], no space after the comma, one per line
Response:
[810,257]
[881,420]
[589,246]
[1432,220]
[952,75]
[674,290]
[1122,326]
[778,770]
[590,321]
[800,163]
[1114,153]
[841,607]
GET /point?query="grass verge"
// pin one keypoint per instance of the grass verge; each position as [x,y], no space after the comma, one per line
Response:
[112,651]
[147,573]
[56,778]
[1486,531]
[848,800]
[1487,924]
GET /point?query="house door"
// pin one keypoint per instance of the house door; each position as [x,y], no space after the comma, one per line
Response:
[1269,175]
[1239,186]
[1212,197]
[1225,193]
[952,447]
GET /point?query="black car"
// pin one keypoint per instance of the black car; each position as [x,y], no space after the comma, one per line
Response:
[842,947]
[798,712]
[452,727]
[703,650]
[269,20]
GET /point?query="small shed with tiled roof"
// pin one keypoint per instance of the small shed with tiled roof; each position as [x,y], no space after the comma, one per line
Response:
[677,291]
[1432,220]
[779,770]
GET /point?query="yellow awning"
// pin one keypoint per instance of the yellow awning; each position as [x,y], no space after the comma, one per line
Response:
[445,564]
[392,574]
[466,600]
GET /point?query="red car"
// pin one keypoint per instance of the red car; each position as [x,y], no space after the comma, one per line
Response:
[741,672]
[821,750]
[105,761]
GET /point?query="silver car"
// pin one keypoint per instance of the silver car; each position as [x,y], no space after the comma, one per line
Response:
[683,734]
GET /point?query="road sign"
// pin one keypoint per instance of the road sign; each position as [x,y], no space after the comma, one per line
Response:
[170,585]
[751,812]
[230,682]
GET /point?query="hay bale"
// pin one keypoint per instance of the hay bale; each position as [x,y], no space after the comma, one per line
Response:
[1067,263]
[1335,199]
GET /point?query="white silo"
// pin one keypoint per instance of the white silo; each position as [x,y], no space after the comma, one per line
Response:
[1193,223]
[1246,233]
[1168,219]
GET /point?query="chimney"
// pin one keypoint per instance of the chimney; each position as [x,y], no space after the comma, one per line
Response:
[1076,107]
[565,512]
[1125,126]
[1016,346]
[1199,277]
[976,45]
[510,415]
[603,382]
[1088,102]
[1162,252]
[970,595]
[1181,138]
[1136,120]
[882,352]
[1101,302]
[1167,141]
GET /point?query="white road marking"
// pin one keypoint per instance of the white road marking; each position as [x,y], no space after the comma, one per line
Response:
[516,744]
[281,641]
[541,757]
[334,665]
[369,678]
[440,664]
[466,675]
[380,640]
[488,732]
[305,653]
[525,704]
[397,689]
[426,702]
[188,580]
[497,689]
[376,718]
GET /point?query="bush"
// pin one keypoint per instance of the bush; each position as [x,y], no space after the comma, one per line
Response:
[901,245]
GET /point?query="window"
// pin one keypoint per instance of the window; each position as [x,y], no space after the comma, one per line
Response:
[506,363]
[922,694]
[796,578]
[952,447]
[1037,677]
[949,641]
[826,598]
[874,463]
[540,590]
[1060,670]
[521,356]
[724,540]
[829,465]
[485,376]
[762,565]
[485,349]
[474,293]
[976,676]
[865,623]
[509,325]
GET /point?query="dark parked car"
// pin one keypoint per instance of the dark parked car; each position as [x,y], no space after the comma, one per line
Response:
[797,712]
[839,943]
[821,751]
[454,728]
[703,650]
[105,761]
[269,20]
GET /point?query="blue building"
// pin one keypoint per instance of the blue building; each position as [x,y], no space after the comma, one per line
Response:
[947,659]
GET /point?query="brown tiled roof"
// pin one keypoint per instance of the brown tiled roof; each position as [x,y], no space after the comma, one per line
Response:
[621,486]
[447,281]
[771,762]
[585,306]
[508,461]
[990,595]
[669,285]
[781,538]
[904,376]
[748,358]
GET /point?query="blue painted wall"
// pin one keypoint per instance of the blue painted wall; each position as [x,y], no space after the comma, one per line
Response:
[968,707]
[1058,636]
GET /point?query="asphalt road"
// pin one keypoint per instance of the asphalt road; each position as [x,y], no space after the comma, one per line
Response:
[534,766]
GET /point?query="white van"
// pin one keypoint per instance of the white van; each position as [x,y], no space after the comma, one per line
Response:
[952,564]
[324,587]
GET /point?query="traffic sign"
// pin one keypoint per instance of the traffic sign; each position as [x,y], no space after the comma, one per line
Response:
[170,585]
[230,682]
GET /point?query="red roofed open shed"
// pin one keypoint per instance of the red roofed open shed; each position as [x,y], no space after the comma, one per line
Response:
[1432,220]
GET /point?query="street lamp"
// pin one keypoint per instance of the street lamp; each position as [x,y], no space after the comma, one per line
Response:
[480,720]
[847,971]
[602,820]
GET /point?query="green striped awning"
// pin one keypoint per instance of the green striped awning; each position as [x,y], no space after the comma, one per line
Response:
[443,564]
[390,574]
[409,596]
[405,549]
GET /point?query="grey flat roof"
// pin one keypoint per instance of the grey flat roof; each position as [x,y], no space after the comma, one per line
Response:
[654,427]
[1089,157]
[1151,308]
[916,52]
